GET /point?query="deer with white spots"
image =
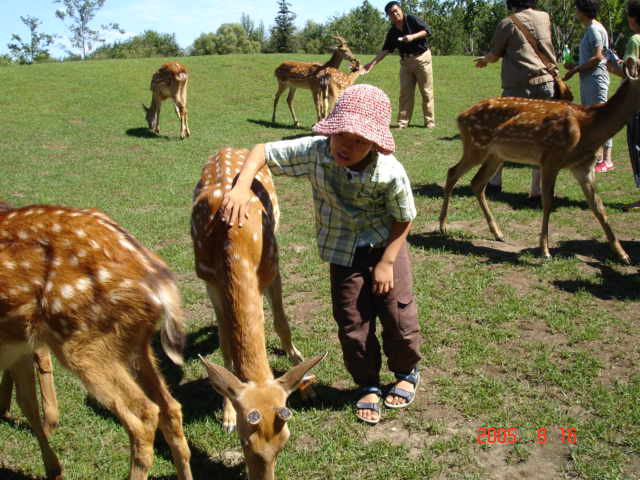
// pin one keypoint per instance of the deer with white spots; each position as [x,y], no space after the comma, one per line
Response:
[553,135]
[170,81]
[76,283]
[293,74]
[332,82]
[238,264]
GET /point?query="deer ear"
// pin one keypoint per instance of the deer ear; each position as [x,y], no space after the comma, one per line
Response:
[222,380]
[293,378]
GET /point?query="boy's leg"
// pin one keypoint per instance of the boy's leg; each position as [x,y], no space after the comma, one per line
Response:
[399,317]
[353,312]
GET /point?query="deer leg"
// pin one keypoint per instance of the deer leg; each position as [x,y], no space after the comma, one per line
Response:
[281,88]
[465,164]
[280,320]
[586,178]
[228,411]
[42,359]
[292,94]
[170,420]
[478,185]
[112,384]
[6,388]
[548,176]
[23,375]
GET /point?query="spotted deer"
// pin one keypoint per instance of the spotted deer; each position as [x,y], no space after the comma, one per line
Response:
[333,82]
[238,264]
[170,81]
[293,75]
[554,135]
[76,283]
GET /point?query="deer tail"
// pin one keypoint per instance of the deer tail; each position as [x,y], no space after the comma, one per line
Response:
[172,333]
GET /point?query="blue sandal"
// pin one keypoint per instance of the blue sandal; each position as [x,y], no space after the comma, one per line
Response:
[409,397]
[372,406]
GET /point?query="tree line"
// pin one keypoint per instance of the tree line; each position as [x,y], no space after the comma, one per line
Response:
[460,27]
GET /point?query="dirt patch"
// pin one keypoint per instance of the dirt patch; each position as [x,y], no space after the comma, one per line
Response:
[535,461]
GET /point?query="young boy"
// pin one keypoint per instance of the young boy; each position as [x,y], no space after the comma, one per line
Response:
[363,210]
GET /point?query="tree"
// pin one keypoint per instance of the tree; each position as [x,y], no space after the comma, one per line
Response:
[80,13]
[34,50]
[230,38]
[282,32]
[149,44]
[256,33]
[364,28]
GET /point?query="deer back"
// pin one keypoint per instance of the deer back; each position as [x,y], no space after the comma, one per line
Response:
[68,274]
[168,79]
[224,251]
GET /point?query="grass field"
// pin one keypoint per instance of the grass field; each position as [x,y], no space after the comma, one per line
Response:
[510,340]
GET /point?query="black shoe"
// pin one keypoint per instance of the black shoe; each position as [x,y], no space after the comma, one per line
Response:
[490,188]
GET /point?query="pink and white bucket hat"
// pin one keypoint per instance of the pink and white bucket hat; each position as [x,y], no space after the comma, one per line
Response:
[364,110]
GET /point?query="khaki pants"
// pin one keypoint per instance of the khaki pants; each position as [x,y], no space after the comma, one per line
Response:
[416,70]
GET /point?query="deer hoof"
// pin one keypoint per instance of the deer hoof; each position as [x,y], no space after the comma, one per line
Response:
[625,259]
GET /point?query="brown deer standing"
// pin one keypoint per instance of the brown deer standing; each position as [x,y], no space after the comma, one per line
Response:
[77,283]
[553,135]
[292,75]
[238,264]
[333,82]
[170,81]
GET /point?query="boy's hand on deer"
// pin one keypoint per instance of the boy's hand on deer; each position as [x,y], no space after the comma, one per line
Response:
[234,206]
[382,278]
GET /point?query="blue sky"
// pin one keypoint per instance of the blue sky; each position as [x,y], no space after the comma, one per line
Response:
[187,19]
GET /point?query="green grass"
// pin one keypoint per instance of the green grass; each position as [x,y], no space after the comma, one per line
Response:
[510,340]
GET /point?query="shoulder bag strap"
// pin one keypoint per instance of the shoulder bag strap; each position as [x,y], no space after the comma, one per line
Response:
[546,61]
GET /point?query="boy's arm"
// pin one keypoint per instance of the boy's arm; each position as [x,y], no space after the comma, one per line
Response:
[234,204]
[383,271]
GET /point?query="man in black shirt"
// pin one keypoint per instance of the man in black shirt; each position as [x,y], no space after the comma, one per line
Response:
[409,35]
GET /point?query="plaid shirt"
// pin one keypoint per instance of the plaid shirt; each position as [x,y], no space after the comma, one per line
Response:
[350,210]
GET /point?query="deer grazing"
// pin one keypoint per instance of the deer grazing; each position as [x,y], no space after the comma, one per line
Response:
[333,82]
[238,264]
[76,283]
[170,81]
[292,75]
[551,134]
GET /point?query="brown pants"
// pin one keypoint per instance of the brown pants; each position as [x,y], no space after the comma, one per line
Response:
[355,309]
[416,70]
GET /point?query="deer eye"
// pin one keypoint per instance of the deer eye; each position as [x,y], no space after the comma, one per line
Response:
[254,417]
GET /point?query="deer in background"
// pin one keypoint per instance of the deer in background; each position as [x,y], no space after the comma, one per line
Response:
[292,75]
[76,283]
[238,264]
[170,81]
[332,82]
[551,134]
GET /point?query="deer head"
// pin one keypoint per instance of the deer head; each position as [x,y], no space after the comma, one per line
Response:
[262,414]
[151,115]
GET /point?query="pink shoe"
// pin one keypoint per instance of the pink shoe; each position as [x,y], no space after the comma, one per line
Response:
[601,167]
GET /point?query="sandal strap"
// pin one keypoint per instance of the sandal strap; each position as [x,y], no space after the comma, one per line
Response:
[370,389]
[411,377]
[374,407]
[401,392]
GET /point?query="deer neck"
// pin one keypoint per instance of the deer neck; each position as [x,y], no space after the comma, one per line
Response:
[335,60]
[246,334]
[611,116]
